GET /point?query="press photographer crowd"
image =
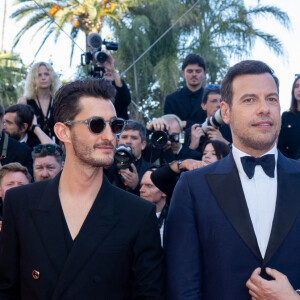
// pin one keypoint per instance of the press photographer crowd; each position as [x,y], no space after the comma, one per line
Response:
[200,203]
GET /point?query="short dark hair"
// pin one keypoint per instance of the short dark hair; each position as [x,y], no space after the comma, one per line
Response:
[24,114]
[245,67]
[66,101]
[293,107]
[193,59]
[1,112]
[208,91]
[135,125]
[220,148]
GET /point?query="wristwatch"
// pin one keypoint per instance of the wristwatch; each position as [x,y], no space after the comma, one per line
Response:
[179,166]
[298,292]
[33,127]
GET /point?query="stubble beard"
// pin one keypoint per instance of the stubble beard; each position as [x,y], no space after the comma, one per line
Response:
[257,142]
[84,154]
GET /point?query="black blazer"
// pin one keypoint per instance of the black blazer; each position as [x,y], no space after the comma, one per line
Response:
[16,152]
[116,255]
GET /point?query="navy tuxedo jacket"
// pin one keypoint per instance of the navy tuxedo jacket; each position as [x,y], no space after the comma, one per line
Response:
[211,247]
[116,255]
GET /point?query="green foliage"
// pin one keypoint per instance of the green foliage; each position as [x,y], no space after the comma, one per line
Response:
[216,29]
[12,73]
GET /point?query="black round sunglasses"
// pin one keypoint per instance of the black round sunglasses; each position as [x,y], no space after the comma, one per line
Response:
[97,124]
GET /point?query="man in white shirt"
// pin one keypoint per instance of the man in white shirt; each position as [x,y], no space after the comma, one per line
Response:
[241,214]
[149,191]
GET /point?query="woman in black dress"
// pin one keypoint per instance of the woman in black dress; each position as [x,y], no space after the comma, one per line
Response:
[289,137]
[41,84]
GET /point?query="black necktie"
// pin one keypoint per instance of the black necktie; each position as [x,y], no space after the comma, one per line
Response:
[267,162]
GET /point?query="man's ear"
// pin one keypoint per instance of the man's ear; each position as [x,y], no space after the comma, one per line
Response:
[144,144]
[203,106]
[62,132]
[225,112]
[24,127]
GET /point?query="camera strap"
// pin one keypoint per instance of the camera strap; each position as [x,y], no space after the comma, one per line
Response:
[4,148]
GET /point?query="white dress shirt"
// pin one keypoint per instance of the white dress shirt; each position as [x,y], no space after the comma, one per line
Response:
[260,193]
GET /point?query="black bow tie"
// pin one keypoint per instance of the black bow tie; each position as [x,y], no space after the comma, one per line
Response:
[267,162]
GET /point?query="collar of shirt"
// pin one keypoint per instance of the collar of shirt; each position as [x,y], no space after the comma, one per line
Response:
[189,93]
[237,154]
[24,140]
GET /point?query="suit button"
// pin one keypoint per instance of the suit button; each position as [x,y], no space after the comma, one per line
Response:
[35,274]
[97,279]
[289,126]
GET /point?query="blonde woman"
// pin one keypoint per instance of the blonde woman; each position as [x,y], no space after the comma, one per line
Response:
[41,84]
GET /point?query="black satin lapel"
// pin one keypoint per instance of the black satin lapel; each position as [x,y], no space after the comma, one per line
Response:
[286,211]
[98,224]
[227,189]
[48,221]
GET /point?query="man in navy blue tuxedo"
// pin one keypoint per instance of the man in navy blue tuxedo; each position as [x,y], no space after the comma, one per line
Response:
[239,216]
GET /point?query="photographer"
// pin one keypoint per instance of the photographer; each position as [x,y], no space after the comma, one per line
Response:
[128,178]
[171,129]
[199,134]
[122,99]
[166,177]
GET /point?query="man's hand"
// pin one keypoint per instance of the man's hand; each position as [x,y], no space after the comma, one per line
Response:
[131,178]
[277,289]
[196,133]
[215,134]
[158,124]
[187,165]
[111,73]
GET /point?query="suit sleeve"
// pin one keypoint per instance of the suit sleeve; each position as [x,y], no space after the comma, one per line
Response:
[148,280]
[183,252]
[9,262]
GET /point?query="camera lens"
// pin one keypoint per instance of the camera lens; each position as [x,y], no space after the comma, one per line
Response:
[101,57]
[159,138]
[123,157]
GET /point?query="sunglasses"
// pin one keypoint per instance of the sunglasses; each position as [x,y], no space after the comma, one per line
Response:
[50,148]
[213,86]
[97,124]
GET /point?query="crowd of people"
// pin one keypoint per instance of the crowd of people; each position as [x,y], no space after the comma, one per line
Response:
[196,204]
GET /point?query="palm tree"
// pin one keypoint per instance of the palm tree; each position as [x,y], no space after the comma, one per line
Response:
[219,29]
[87,16]
[12,73]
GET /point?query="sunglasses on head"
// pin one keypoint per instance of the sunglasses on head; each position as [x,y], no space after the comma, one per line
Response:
[50,148]
[97,124]
[213,86]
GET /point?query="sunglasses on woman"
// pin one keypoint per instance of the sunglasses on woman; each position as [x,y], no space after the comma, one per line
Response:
[97,124]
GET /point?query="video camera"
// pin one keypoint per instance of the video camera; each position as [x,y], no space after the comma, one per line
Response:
[97,56]
[160,138]
[215,121]
[123,157]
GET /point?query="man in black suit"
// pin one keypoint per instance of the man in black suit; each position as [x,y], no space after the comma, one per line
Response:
[76,236]
[20,124]
[11,150]
[186,102]
[239,216]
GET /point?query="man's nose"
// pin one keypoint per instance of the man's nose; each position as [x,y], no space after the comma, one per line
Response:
[264,107]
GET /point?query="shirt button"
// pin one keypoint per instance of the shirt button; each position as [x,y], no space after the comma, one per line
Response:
[35,274]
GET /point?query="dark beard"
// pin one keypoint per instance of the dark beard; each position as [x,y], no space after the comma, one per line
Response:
[15,136]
